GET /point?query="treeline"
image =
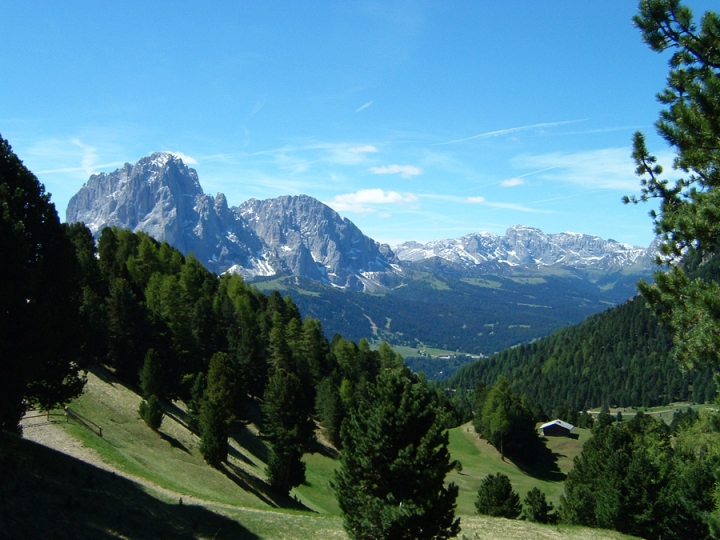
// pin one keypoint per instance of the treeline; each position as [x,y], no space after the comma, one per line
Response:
[640,477]
[620,357]
[478,314]
[233,355]
[163,322]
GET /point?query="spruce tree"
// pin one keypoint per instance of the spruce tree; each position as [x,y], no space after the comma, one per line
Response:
[330,409]
[151,412]
[391,479]
[216,410]
[151,373]
[497,498]
[288,428]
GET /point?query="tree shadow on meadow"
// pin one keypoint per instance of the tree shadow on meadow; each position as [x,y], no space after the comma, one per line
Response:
[250,442]
[542,463]
[47,494]
[324,450]
[260,488]
[173,442]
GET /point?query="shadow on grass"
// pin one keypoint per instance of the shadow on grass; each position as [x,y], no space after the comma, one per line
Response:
[250,442]
[260,488]
[178,415]
[239,455]
[173,442]
[324,450]
[47,494]
[541,463]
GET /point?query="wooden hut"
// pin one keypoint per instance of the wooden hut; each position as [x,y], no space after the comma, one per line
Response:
[556,428]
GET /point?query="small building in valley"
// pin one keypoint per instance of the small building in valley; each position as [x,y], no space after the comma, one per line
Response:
[556,428]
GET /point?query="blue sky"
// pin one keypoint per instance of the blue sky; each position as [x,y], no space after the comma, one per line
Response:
[416,120]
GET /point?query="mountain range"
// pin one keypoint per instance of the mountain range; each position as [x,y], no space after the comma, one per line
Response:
[478,293]
[299,235]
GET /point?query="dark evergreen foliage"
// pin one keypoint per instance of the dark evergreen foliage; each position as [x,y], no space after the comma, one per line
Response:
[288,428]
[537,509]
[687,221]
[330,409]
[506,421]
[151,412]
[630,478]
[216,410]
[616,358]
[151,375]
[497,498]
[391,479]
[40,298]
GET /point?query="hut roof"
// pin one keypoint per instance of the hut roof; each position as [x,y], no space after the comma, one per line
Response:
[558,422]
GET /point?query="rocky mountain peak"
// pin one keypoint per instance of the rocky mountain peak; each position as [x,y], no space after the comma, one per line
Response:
[289,235]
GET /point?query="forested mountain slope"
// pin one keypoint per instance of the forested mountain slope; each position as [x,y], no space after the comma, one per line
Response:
[620,357]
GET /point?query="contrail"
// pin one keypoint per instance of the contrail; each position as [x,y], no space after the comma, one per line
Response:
[510,130]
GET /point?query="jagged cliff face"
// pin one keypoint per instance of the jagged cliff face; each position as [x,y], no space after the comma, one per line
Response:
[525,246]
[286,236]
[301,236]
[156,195]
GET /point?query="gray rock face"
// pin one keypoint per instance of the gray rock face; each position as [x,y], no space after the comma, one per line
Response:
[156,195]
[529,247]
[301,236]
[287,236]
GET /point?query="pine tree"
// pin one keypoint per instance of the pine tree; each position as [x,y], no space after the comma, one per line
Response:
[536,507]
[391,479]
[151,412]
[497,498]
[330,409]
[151,374]
[288,428]
[216,410]
[630,478]
[688,221]
[40,297]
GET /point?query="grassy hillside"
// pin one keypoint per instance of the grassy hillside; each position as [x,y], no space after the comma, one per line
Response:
[44,491]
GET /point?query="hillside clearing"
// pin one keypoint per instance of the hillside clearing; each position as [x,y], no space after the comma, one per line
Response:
[166,467]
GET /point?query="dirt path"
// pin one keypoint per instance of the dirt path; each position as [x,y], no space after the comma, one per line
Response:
[50,434]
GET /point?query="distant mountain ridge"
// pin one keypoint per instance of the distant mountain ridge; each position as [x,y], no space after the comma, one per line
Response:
[299,235]
[527,246]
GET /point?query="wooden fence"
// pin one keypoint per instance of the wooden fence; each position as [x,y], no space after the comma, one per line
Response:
[85,422]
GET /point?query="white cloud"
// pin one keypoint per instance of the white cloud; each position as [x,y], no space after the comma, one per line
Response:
[606,168]
[363,149]
[363,107]
[87,162]
[475,200]
[512,182]
[518,208]
[187,160]
[360,202]
[406,171]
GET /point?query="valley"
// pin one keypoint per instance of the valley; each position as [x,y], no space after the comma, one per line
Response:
[477,294]
[132,473]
